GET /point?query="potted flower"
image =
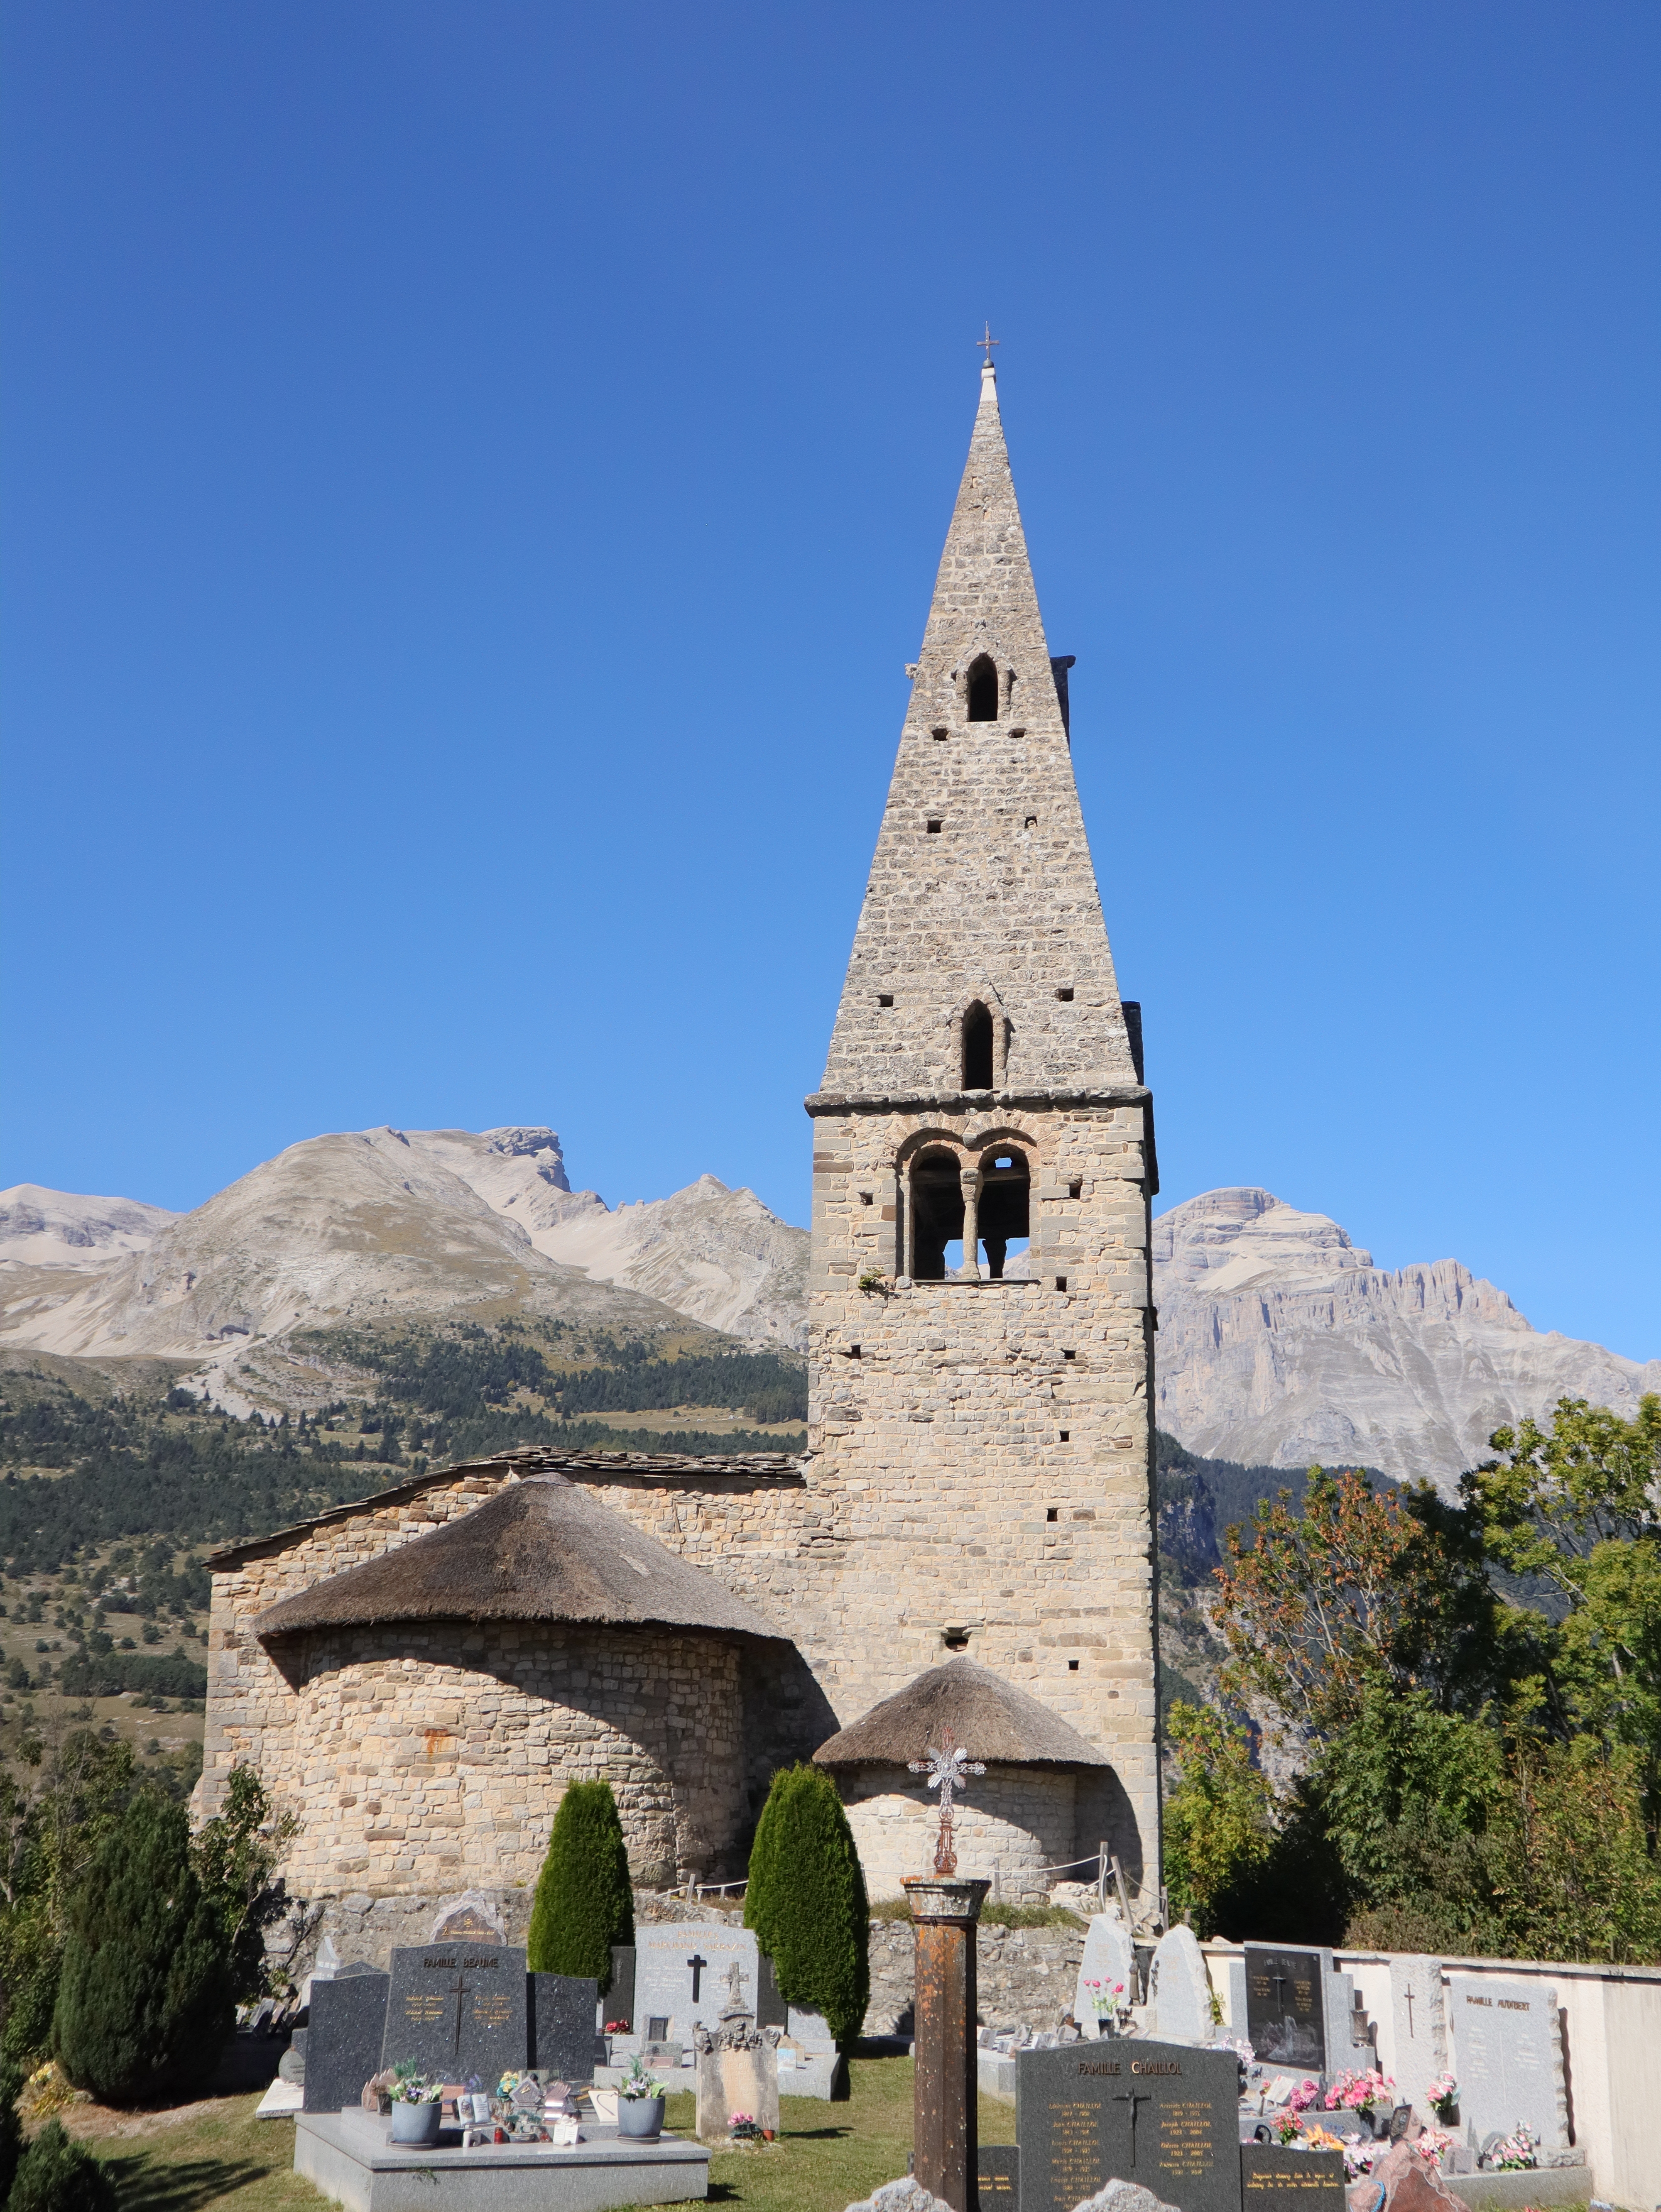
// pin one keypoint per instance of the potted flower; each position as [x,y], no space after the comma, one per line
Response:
[1106,1998]
[416,2107]
[1514,2151]
[742,2128]
[1443,2098]
[640,2103]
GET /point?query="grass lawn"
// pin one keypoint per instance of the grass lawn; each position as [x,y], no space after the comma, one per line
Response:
[216,2152]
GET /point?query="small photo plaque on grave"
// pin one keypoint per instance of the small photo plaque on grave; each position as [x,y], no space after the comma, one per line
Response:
[1164,2115]
[457,2009]
[1272,2179]
[1286,2020]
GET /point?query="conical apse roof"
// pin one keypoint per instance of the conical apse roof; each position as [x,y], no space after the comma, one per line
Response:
[541,1549]
[991,1718]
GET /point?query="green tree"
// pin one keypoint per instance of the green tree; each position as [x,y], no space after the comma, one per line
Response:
[11,2128]
[236,1857]
[1573,1870]
[144,1995]
[57,2174]
[47,1838]
[1219,1817]
[806,1899]
[584,1900]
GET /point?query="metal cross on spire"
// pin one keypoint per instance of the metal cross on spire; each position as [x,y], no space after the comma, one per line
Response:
[947,1769]
[987,343]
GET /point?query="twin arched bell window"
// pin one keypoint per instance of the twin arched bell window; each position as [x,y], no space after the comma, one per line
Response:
[984,1206]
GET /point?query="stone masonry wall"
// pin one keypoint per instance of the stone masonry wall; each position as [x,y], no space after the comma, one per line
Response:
[1018,1824]
[1025,1977]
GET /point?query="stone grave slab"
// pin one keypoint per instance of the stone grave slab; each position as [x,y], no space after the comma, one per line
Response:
[343,2039]
[1508,2055]
[1419,2017]
[1273,2179]
[458,2010]
[998,2177]
[681,1973]
[1179,1989]
[618,2001]
[736,2081]
[1109,1956]
[1163,2114]
[351,2158]
[560,2027]
[1285,2007]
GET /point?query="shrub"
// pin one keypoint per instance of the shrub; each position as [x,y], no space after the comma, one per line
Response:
[584,1902]
[55,2174]
[145,1994]
[806,1899]
[11,2128]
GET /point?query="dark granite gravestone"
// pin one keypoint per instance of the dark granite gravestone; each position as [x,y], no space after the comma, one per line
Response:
[998,2177]
[458,2010]
[1276,2180]
[618,2002]
[771,2010]
[561,2026]
[348,2019]
[1163,2114]
[1286,2020]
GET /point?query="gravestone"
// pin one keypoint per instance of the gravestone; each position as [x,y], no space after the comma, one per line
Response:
[1419,2017]
[810,2029]
[771,2008]
[560,2027]
[458,2010]
[1508,2054]
[1163,2114]
[1273,2179]
[736,2080]
[618,2001]
[998,2177]
[1285,2007]
[343,2039]
[1179,1989]
[472,1919]
[1109,1956]
[680,1977]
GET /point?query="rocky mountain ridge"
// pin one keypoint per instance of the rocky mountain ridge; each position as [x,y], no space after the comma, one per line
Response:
[1281,1343]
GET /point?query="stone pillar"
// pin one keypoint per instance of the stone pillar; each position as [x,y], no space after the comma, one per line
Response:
[970,1178]
[943,2135]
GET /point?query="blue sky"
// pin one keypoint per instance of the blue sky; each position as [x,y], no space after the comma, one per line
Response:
[473,476]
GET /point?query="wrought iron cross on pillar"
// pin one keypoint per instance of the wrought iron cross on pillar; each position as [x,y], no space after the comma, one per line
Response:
[947,1769]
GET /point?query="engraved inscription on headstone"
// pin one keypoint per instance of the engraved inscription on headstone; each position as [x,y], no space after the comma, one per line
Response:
[1161,2114]
[1276,2180]
[343,2042]
[998,2174]
[1286,2020]
[1508,2054]
[458,2010]
[560,2027]
[681,1972]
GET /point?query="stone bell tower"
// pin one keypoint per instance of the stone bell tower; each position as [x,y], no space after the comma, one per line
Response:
[979,1424]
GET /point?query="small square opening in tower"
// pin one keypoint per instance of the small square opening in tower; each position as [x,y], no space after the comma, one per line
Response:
[1075,1189]
[955,1639]
[1052,1513]
[1072,1666]
[940,736]
[933,825]
[1031,820]
[1065,994]
[1067,1436]
[1061,1282]
[865,1198]
[1069,1355]
[885,998]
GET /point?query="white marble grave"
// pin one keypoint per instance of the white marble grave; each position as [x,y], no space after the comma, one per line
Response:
[1109,1956]
[1179,1990]
[1419,2019]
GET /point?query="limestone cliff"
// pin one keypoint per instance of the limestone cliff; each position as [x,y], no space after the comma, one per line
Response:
[1280,1342]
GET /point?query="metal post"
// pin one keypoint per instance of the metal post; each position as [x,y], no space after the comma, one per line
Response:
[945,1912]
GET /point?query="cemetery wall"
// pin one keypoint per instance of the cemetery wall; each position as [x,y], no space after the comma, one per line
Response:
[1017,1824]
[1025,1976]
[1611,2026]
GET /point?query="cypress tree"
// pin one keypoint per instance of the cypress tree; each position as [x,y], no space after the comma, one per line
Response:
[806,1899]
[56,2174]
[144,1999]
[585,1902]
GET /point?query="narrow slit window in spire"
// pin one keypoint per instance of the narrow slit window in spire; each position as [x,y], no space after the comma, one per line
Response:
[983,690]
[977,1048]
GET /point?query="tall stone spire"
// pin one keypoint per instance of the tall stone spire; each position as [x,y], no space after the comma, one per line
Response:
[982,891]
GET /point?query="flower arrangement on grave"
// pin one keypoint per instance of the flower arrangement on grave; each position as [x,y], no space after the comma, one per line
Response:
[411,2087]
[638,2081]
[1443,2097]
[742,2128]
[1287,2128]
[1107,1998]
[1512,2153]
[1359,2091]
[1433,2145]
[1360,2156]
[618,2027]
[1316,2137]
[1306,2094]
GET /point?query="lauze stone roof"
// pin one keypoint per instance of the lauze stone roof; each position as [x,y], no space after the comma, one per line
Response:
[542,1549]
[989,1718]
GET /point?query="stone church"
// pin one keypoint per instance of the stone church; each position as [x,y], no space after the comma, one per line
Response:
[968,1538]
